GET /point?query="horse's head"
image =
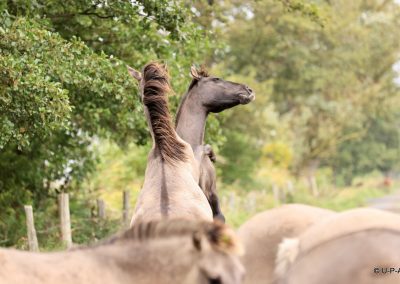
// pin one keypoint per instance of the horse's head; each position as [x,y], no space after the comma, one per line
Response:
[216,94]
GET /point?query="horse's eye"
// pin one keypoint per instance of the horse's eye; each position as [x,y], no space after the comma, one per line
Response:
[216,79]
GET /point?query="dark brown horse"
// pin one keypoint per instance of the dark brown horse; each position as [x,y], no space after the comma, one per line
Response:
[207,94]
[170,186]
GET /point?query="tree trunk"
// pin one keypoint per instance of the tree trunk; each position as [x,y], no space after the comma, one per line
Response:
[101,209]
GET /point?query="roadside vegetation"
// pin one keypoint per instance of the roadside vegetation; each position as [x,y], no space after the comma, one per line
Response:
[326,118]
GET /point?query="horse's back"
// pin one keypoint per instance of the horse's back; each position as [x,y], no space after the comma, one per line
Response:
[262,234]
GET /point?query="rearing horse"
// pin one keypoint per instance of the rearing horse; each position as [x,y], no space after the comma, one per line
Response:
[207,94]
[170,187]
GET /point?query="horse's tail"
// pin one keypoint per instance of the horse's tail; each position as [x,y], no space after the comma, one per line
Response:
[155,90]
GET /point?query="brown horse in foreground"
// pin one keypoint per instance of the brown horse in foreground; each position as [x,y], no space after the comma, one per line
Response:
[162,252]
[171,180]
[207,94]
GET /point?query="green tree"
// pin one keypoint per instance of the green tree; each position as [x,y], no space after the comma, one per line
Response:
[378,149]
[64,85]
[328,73]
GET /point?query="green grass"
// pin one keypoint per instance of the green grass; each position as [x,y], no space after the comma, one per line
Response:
[343,199]
[239,205]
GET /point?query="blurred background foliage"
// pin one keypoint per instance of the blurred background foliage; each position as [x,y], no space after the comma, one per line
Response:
[324,128]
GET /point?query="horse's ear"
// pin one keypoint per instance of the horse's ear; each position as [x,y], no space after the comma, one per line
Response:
[194,73]
[135,74]
[196,238]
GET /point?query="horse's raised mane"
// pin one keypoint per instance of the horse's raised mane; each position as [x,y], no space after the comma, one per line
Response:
[155,89]
[202,73]
[220,236]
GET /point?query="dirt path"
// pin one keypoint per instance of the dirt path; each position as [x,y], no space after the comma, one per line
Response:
[389,202]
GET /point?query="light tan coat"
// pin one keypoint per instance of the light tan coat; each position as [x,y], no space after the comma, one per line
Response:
[171,186]
[175,251]
[345,248]
[185,197]
[263,233]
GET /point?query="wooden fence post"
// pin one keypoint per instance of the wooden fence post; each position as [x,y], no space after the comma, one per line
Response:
[312,182]
[65,221]
[275,190]
[101,209]
[125,212]
[224,201]
[290,187]
[250,203]
[282,195]
[232,202]
[32,238]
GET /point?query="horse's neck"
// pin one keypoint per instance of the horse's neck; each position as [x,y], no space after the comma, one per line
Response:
[127,262]
[190,124]
[146,113]
[60,267]
[144,261]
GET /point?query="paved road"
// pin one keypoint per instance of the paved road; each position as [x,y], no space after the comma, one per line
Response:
[389,202]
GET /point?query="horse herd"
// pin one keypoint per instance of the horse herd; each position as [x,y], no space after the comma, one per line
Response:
[178,234]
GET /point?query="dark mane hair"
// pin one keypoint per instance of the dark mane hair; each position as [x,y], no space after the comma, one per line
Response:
[202,71]
[219,235]
[156,87]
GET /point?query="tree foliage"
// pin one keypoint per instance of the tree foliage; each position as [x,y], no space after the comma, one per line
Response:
[322,72]
[64,85]
[329,76]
